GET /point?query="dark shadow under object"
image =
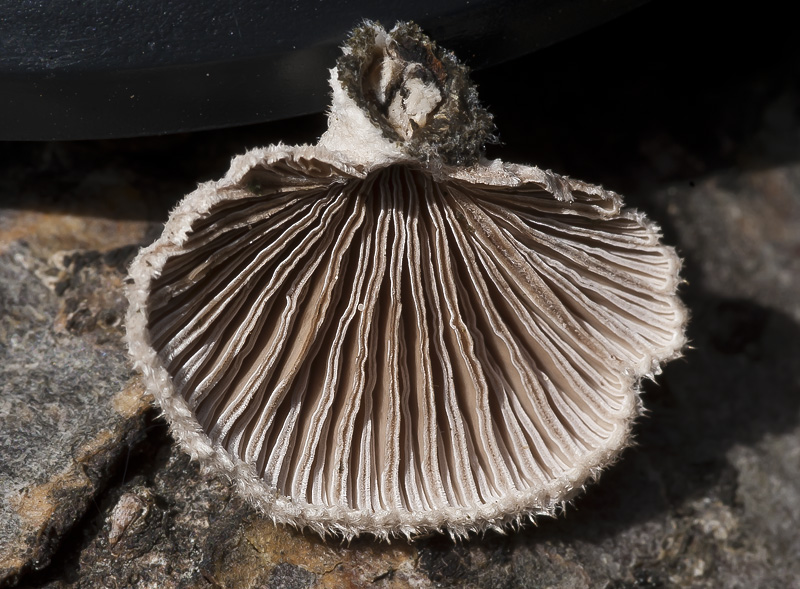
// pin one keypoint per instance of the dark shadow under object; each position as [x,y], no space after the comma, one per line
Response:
[75,70]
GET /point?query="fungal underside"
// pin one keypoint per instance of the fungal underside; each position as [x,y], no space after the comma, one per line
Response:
[395,347]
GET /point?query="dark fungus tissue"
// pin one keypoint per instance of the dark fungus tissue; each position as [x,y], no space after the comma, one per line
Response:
[386,332]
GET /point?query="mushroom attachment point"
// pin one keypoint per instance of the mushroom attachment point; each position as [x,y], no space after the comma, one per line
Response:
[385,332]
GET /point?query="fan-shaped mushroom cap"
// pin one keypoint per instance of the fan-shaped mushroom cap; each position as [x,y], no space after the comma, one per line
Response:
[397,344]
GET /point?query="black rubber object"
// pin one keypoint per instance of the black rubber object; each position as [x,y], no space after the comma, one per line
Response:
[89,70]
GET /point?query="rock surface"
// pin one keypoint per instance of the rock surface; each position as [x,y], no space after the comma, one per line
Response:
[706,139]
[68,405]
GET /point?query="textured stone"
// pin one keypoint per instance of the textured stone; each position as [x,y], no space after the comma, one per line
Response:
[68,407]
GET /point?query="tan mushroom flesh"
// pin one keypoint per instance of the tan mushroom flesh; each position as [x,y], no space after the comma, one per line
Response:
[388,333]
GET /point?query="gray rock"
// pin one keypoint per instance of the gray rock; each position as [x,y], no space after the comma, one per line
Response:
[289,576]
[68,406]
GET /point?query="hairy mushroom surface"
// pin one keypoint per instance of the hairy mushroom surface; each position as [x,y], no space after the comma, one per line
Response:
[388,333]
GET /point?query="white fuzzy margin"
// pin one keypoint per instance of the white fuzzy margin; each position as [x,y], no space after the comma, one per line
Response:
[511,510]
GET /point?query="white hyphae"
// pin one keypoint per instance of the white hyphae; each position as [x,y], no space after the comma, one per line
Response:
[388,333]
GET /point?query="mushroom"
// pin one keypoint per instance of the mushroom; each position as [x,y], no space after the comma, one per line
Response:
[387,333]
